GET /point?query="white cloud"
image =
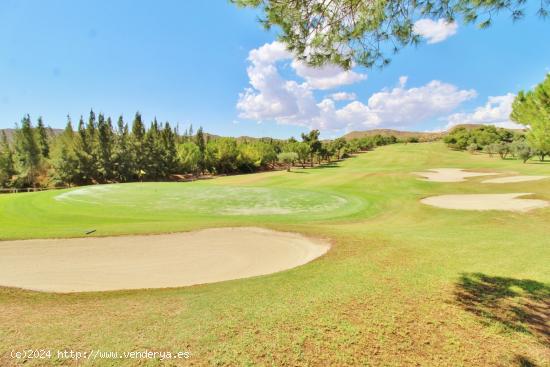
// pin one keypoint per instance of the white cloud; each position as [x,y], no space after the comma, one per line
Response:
[405,106]
[496,111]
[271,97]
[343,96]
[435,31]
[326,77]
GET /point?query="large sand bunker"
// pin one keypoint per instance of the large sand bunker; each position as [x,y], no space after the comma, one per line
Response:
[156,261]
[513,179]
[450,174]
[508,202]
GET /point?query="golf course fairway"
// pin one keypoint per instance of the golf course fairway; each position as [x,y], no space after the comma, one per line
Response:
[403,284]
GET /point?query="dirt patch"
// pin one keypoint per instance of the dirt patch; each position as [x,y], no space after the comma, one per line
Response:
[156,261]
[509,202]
[450,174]
[513,179]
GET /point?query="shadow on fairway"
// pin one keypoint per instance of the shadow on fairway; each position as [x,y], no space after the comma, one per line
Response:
[518,304]
[327,165]
[322,166]
[522,361]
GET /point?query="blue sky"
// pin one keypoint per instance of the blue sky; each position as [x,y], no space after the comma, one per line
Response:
[194,62]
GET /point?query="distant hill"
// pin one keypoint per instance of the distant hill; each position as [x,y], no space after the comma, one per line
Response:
[422,136]
[475,126]
[466,126]
[11,132]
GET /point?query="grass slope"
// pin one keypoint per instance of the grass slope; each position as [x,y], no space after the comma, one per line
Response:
[404,284]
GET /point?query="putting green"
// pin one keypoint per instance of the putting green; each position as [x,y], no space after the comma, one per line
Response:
[156,207]
[217,200]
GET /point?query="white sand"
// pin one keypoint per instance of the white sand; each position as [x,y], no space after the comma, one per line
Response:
[450,174]
[513,179]
[508,202]
[156,261]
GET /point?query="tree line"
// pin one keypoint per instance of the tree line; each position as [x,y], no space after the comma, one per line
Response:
[531,109]
[99,150]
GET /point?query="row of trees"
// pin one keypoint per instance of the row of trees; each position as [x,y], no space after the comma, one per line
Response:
[531,109]
[493,141]
[100,151]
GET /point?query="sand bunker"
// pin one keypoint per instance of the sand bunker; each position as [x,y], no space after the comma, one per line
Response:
[513,179]
[508,202]
[450,174]
[156,261]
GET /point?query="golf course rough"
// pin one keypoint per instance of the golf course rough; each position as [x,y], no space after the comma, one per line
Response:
[403,284]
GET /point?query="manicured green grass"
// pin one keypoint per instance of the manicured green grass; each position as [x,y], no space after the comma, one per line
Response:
[404,284]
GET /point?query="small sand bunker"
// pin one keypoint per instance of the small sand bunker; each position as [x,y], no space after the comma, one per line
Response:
[155,261]
[513,179]
[508,202]
[450,174]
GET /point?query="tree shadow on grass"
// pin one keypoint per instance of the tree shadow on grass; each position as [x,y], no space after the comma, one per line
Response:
[294,171]
[522,361]
[327,165]
[517,304]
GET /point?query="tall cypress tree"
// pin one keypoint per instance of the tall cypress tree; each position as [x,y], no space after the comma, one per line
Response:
[28,157]
[153,152]
[91,133]
[65,162]
[138,142]
[123,154]
[83,150]
[103,148]
[201,143]
[169,150]
[43,139]
[7,166]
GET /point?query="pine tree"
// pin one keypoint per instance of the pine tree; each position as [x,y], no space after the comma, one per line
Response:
[139,145]
[103,148]
[123,154]
[201,144]
[532,109]
[91,134]
[169,150]
[7,166]
[83,151]
[65,162]
[28,157]
[43,139]
[152,152]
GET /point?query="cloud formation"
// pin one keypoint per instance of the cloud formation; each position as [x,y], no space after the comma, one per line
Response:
[326,77]
[496,111]
[343,96]
[435,31]
[271,97]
